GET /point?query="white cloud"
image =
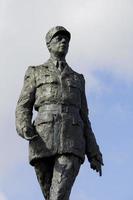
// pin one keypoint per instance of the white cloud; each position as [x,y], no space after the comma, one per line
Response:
[2,196]
[80,197]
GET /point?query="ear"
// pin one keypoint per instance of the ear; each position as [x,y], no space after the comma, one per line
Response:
[49,46]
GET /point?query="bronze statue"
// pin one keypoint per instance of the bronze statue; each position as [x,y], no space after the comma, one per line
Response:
[61,134]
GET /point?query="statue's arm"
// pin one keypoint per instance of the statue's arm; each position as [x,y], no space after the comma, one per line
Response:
[92,149]
[24,106]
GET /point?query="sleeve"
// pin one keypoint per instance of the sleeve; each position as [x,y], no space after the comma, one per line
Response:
[92,148]
[26,101]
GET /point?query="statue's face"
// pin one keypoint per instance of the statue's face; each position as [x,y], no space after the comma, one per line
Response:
[59,45]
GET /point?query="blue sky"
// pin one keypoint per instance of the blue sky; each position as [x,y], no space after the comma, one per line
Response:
[101,48]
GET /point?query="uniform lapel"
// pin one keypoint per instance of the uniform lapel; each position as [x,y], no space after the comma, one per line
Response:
[51,66]
[67,71]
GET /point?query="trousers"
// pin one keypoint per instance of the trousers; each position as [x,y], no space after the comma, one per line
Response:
[56,175]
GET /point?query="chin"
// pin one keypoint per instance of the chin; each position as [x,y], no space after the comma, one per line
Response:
[62,53]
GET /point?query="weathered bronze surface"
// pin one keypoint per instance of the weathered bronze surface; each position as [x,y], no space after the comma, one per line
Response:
[61,134]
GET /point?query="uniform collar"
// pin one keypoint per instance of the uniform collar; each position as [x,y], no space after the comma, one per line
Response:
[54,61]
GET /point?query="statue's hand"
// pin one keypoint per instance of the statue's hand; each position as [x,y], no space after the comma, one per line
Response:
[29,133]
[96,163]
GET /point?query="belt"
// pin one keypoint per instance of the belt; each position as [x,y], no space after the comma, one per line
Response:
[59,108]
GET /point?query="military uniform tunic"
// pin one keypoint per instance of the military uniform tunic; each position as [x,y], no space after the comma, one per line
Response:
[62,124]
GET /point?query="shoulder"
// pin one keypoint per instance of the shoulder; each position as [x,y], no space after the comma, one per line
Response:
[37,67]
[29,71]
[76,73]
[42,66]
[80,76]
[33,69]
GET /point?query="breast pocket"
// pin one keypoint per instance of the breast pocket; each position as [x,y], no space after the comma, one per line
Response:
[46,79]
[72,84]
[47,86]
[74,90]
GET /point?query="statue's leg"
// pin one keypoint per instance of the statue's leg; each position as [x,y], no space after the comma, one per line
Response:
[44,172]
[65,171]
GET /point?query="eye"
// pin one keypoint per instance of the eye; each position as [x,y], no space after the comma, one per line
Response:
[59,37]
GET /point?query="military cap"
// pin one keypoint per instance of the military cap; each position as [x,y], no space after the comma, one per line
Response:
[54,31]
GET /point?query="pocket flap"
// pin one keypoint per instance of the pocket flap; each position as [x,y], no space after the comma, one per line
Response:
[47,79]
[43,118]
[73,83]
[41,82]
